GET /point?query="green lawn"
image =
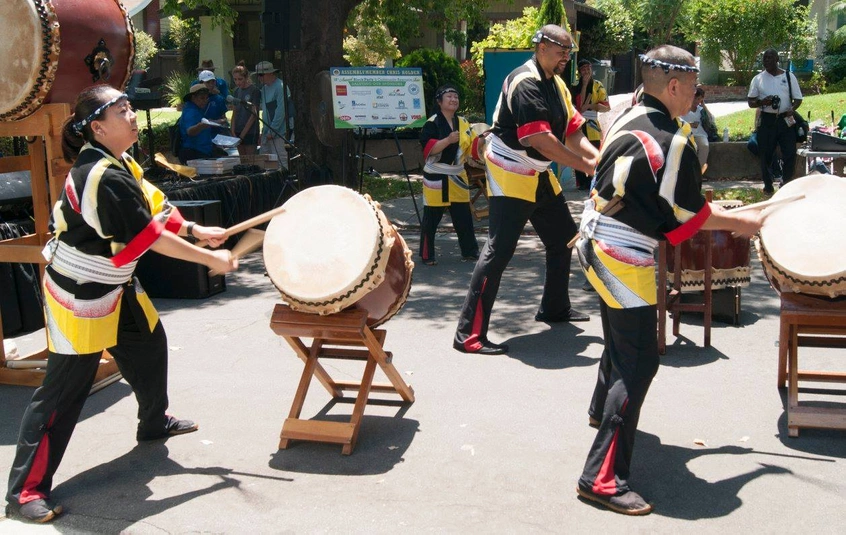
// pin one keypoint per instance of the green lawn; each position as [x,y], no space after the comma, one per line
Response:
[741,123]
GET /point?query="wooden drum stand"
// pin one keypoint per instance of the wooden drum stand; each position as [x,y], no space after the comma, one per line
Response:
[47,173]
[336,336]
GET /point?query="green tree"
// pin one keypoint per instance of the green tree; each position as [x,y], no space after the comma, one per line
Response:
[438,69]
[552,12]
[612,35]
[371,43]
[837,37]
[723,31]
[145,49]
[322,25]
[514,33]
[657,22]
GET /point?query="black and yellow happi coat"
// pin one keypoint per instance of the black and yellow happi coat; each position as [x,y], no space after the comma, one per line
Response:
[106,218]
[447,183]
[528,104]
[595,94]
[649,162]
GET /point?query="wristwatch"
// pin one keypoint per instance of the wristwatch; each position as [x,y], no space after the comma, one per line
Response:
[190,229]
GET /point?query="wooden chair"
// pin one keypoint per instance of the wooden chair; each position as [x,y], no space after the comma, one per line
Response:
[336,336]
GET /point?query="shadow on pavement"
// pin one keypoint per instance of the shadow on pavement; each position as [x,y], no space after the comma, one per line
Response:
[382,443]
[662,476]
[126,481]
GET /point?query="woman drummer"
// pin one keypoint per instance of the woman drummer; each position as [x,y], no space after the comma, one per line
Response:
[447,141]
[106,218]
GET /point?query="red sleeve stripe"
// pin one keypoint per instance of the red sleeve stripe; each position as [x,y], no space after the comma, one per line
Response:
[70,192]
[530,129]
[174,221]
[575,123]
[428,148]
[139,244]
[690,227]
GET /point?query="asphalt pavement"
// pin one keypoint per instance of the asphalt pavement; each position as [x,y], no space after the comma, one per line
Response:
[492,444]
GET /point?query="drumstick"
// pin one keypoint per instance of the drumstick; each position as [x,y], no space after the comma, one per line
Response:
[250,223]
[249,242]
[768,203]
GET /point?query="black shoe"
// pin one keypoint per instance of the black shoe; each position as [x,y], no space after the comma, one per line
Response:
[769,191]
[588,287]
[430,262]
[630,503]
[486,348]
[470,258]
[593,422]
[571,316]
[37,511]
[172,428]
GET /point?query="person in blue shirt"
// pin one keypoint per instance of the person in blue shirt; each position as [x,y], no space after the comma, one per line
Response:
[275,113]
[220,84]
[196,129]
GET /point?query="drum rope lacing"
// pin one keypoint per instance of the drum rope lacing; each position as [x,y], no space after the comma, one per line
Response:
[805,282]
[358,286]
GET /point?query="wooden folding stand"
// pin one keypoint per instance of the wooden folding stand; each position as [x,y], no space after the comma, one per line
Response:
[808,321]
[478,189]
[47,173]
[336,336]
[671,301]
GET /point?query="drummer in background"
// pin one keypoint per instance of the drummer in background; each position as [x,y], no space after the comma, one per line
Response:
[245,124]
[591,99]
[647,189]
[694,117]
[195,127]
[106,218]
[448,141]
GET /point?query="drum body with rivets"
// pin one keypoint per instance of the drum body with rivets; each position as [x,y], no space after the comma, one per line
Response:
[52,49]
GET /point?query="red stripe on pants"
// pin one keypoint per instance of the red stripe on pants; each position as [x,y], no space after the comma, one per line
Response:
[39,468]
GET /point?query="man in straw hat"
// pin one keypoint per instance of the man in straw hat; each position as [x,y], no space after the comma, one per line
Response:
[647,189]
[275,111]
[221,86]
[196,133]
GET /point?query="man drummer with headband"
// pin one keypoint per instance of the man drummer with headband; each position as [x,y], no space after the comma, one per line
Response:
[647,189]
[535,124]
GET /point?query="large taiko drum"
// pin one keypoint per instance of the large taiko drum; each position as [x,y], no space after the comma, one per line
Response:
[332,249]
[730,258]
[802,244]
[52,49]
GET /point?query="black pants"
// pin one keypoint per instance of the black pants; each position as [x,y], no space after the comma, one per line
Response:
[773,132]
[628,364]
[462,220]
[555,226]
[54,410]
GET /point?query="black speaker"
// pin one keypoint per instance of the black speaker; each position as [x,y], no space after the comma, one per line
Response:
[280,25]
[163,276]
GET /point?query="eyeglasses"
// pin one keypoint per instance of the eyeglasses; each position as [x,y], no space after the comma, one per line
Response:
[559,43]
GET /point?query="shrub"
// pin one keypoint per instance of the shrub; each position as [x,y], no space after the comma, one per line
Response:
[438,69]
[145,49]
[185,34]
[473,102]
[515,33]
[176,86]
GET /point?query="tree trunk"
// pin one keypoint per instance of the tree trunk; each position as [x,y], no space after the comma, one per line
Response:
[322,31]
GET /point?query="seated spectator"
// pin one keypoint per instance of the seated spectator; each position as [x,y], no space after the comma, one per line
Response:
[220,83]
[195,127]
[217,103]
[694,118]
[709,124]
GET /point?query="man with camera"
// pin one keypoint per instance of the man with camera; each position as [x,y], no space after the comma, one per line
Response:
[777,93]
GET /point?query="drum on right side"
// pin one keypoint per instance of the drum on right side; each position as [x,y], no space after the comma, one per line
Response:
[802,244]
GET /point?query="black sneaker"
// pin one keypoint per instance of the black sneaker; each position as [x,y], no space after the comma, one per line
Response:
[172,428]
[470,258]
[36,511]
[569,316]
[485,348]
[631,503]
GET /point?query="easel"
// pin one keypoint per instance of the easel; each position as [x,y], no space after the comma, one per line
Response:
[47,172]
[336,336]
[671,302]
[361,154]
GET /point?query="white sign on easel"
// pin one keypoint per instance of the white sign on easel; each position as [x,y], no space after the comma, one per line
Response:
[372,97]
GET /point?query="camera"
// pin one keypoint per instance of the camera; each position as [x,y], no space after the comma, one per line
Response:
[776,101]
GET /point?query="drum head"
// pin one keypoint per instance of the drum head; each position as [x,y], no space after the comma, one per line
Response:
[327,246]
[804,239]
[28,54]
